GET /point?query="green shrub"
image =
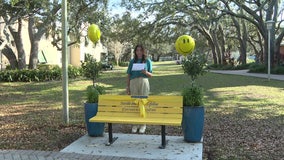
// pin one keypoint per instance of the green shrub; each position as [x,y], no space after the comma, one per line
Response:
[91,68]
[56,73]
[193,96]
[262,68]
[194,66]
[46,73]
[123,64]
[74,72]
[228,67]
[278,70]
[94,92]
[257,68]
[212,66]
[242,66]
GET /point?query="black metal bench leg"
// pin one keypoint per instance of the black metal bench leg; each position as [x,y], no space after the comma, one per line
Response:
[111,139]
[163,134]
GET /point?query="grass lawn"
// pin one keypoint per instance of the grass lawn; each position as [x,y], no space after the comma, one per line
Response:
[244,115]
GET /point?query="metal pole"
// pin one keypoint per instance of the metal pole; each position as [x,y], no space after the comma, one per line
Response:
[65,63]
[0,61]
[268,55]
[269,26]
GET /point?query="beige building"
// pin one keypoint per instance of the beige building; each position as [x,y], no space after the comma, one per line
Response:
[50,55]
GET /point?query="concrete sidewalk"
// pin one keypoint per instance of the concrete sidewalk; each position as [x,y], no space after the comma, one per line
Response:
[137,146]
[246,73]
[49,155]
[126,147]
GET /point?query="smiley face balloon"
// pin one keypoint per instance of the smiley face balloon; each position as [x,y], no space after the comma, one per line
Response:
[184,45]
[94,33]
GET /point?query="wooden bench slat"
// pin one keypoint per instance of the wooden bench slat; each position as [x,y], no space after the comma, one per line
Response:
[164,101]
[166,104]
[136,115]
[135,120]
[136,109]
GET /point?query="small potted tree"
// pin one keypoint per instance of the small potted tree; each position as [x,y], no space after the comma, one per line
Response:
[193,109]
[91,109]
[91,70]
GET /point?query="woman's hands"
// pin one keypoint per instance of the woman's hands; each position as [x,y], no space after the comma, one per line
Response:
[148,74]
[127,90]
[128,84]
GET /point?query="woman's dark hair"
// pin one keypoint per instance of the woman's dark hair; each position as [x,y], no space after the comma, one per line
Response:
[144,56]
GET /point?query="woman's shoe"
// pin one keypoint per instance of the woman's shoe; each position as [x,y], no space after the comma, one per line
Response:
[134,129]
[142,128]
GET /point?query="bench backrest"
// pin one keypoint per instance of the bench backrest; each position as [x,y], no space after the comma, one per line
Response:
[126,106]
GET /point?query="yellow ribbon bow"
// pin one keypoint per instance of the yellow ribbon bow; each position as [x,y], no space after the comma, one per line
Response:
[141,103]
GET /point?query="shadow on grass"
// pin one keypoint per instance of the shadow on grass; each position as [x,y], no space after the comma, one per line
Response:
[177,82]
[242,121]
[43,92]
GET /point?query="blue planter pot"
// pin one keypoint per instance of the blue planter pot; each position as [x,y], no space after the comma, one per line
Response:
[193,123]
[93,129]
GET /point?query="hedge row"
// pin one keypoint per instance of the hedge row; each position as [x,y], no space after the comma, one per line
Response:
[38,75]
[261,68]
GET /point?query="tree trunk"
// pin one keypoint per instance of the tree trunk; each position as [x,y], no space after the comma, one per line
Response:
[34,54]
[277,46]
[19,44]
[158,57]
[272,47]
[221,37]
[242,38]
[217,49]
[34,40]
[10,55]
[270,15]
[214,54]
[117,61]
[262,49]
[209,38]
[243,43]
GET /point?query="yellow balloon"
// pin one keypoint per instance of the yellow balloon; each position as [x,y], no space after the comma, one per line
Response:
[185,45]
[94,33]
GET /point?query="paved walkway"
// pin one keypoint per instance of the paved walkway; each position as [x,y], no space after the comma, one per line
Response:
[49,155]
[245,73]
[137,146]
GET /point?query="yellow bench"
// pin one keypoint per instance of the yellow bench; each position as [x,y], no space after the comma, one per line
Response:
[125,109]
